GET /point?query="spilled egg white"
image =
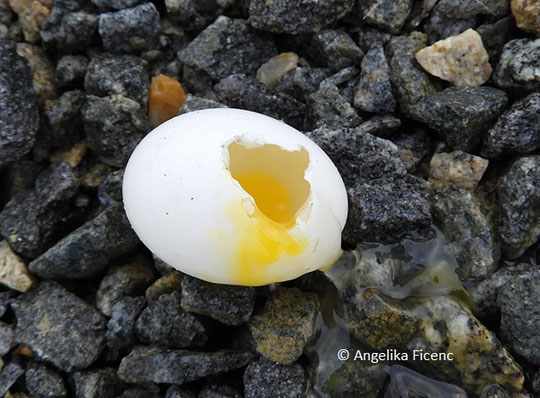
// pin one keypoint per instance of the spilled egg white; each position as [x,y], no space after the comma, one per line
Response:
[235,197]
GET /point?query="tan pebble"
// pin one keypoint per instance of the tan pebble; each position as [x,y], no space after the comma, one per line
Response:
[72,156]
[527,15]
[164,100]
[31,14]
[13,271]
[276,67]
[462,60]
[460,168]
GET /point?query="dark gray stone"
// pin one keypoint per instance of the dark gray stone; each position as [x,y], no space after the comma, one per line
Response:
[162,365]
[215,390]
[389,15]
[114,125]
[70,71]
[440,25]
[335,49]
[296,16]
[461,115]
[165,324]
[386,210]
[368,36]
[148,391]
[245,50]
[193,103]
[63,119]
[131,30]
[517,131]
[241,91]
[59,327]
[9,375]
[19,117]
[68,31]
[6,338]
[178,392]
[195,14]
[43,382]
[359,156]
[265,379]
[495,36]
[520,320]
[231,305]
[383,126]
[468,230]
[125,280]
[301,81]
[109,74]
[115,4]
[409,81]
[30,221]
[85,252]
[519,65]
[374,91]
[102,383]
[120,328]
[329,109]
[340,78]
[110,190]
[518,197]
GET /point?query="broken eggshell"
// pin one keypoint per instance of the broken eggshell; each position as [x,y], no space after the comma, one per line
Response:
[235,197]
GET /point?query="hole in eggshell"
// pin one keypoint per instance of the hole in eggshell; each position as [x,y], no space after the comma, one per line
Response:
[274,178]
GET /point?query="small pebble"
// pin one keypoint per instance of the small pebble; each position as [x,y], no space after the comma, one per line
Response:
[72,156]
[165,98]
[276,67]
[101,382]
[8,376]
[168,283]
[460,168]
[518,66]
[462,60]
[334,49]
[265,379]
[70,70]
[31,14]
[42,71]
[13,271]
[389,15]
[124,313]
[527,15]
[42,381]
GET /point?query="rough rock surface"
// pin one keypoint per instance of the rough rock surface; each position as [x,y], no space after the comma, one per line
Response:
[264,379]
[68,28]
[520,320]
[527,15]
[297,16]
[462,60]
[70,70]
[85,252]
[124,313]
[327,108]
[13,271]
[193,103]
[59,327]
[335,49]
[63,119]
[102,382]
[374,90]
[42,72]
[162,365]
[42,381]
[517,131]
[167,284]
[302,81]
[19,118]
[389,15]
[8,376]
[231,305]
[285,325]
[518,197]
[518,67]
[459,168]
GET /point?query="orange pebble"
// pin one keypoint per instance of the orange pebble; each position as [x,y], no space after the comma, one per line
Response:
[165,98]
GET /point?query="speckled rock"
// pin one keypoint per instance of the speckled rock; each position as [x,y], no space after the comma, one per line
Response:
[518,197]
[462,60]
[124,313]
[13,271]
[59,327]
[518,67]
[130,30]
[162,365]
[359,155]
[246,50]
[374,91]
[8,376]
[386,210]
[231,305]
[165,324]
[68,29]
[178,392]
[42,72]
[495,36]
[194,14]
[101,382]
[327,108]
[115,4]
[125,280]
[296,17]
[517,131]
[468,231]
[410,82]
[368,36]
[70,71]
[85,252]
[383,126]
[389,15]
[167,284]
[302,81]
[193,103]
[285,324]
[406,381]
[31,220]
[31,16]
[437,324]
[264,379]
[216,390]
[520,320]
[459,168]
[19,117]
[276,67]
[113,125]
[334,49]
[478,108]
[484,294]
[241,91]
[42,381]
[413,147]
[527,15]
[109,74]
[110,190]
[63,120]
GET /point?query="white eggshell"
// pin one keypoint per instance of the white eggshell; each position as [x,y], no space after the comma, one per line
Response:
[177,187]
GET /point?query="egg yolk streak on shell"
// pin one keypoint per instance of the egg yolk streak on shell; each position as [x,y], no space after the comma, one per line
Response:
[274,178]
